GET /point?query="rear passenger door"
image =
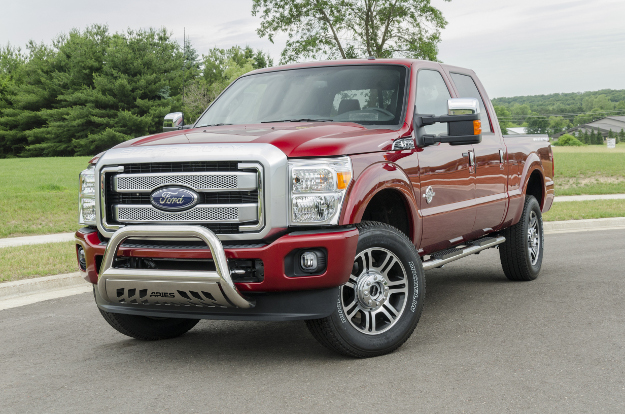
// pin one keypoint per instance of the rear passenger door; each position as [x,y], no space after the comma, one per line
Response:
[490,173]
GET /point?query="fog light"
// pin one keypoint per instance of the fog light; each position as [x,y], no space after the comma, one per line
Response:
[82,260]
[309,261]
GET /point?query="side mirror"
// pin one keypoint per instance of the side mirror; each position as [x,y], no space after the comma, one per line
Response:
[173,121]
[463,124]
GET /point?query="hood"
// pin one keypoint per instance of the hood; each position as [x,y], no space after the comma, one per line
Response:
[295,139]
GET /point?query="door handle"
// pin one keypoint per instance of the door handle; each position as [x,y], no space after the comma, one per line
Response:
[471,155]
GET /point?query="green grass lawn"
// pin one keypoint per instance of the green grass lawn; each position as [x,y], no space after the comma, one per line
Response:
[578,210]
[25,262]
[39,195]
[591,169]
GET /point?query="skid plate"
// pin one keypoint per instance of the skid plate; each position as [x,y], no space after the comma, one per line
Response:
[159,292]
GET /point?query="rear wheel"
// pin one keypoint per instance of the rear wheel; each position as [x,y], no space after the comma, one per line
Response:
[148,329]
[522,253]
[380,306]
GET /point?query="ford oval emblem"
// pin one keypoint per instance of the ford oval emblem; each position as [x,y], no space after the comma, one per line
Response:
[174,198]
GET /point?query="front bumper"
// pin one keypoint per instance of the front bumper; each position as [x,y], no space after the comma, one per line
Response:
[339,244]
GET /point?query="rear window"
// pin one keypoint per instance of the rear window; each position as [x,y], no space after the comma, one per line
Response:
[467,89]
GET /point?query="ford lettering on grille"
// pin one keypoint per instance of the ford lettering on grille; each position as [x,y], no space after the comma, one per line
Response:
[174,198]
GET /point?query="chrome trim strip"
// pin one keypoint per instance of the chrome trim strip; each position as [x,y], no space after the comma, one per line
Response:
[245,181]
[261,202]
[173,278]
[103,226]
[246,213]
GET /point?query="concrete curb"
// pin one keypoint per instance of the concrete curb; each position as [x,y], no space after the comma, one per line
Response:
[39,284]
[43,239]
[572,226]
[560,199]
[29,291]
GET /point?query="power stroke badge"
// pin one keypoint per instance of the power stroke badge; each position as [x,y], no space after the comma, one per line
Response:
[174,198]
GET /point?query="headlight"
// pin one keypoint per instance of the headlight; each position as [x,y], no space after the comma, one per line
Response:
[317,188]
[86,198]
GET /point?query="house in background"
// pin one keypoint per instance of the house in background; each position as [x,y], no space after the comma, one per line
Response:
[614,123]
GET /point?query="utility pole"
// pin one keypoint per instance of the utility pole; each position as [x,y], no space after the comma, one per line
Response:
[184,61]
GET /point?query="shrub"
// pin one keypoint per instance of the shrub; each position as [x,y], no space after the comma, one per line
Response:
[568,140]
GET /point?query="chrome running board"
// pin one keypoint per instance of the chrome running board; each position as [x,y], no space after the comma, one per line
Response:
[443,257]
[169,287]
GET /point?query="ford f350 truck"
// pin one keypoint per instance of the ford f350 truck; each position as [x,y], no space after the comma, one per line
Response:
[317,192]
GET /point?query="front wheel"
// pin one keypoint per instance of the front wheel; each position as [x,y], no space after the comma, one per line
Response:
[379,307]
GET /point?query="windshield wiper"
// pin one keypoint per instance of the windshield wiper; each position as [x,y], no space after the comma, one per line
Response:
[300,120]
[210,125]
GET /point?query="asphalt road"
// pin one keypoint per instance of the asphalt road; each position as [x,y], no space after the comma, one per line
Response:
[483,345]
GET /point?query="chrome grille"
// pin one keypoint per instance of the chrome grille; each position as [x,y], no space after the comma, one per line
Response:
[200,214]
[229,194]
[196,181]
[208,181]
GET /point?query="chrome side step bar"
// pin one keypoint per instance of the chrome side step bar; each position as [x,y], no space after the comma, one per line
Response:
[169,287]
[447,256]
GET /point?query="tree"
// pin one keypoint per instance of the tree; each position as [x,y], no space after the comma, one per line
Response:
[520,112]
[91,90]
[11,67]
[593,137]
[26,98]
[139,84]
[221,67]
[537,125]
[330,29]
[78,56]
[621,136]
[557,125]
[503,116]
[568,140]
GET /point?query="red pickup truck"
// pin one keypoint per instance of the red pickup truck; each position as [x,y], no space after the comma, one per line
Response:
[319,192]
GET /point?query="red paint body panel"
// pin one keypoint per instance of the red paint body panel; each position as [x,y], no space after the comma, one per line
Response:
[370,178]
[341,247]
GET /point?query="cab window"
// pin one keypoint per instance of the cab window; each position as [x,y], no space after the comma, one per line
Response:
[432,96]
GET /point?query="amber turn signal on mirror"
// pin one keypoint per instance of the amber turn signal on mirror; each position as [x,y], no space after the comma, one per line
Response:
[477,127]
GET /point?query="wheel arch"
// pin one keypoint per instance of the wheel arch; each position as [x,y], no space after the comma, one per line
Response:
[382,185]
[535,186]
[533,179]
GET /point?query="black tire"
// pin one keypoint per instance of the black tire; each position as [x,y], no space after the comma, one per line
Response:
[148,329]
[371,332]
[518,262]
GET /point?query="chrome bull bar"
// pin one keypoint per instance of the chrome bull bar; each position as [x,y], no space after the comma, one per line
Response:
[169,287]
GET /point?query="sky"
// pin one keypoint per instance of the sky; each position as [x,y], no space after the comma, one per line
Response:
[527,47]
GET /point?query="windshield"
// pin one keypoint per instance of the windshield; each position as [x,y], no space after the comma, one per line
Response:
[367,95]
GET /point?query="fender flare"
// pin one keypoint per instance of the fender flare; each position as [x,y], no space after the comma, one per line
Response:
[375,178]
[532,164]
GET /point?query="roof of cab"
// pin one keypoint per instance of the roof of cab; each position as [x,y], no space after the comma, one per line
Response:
[398,61]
